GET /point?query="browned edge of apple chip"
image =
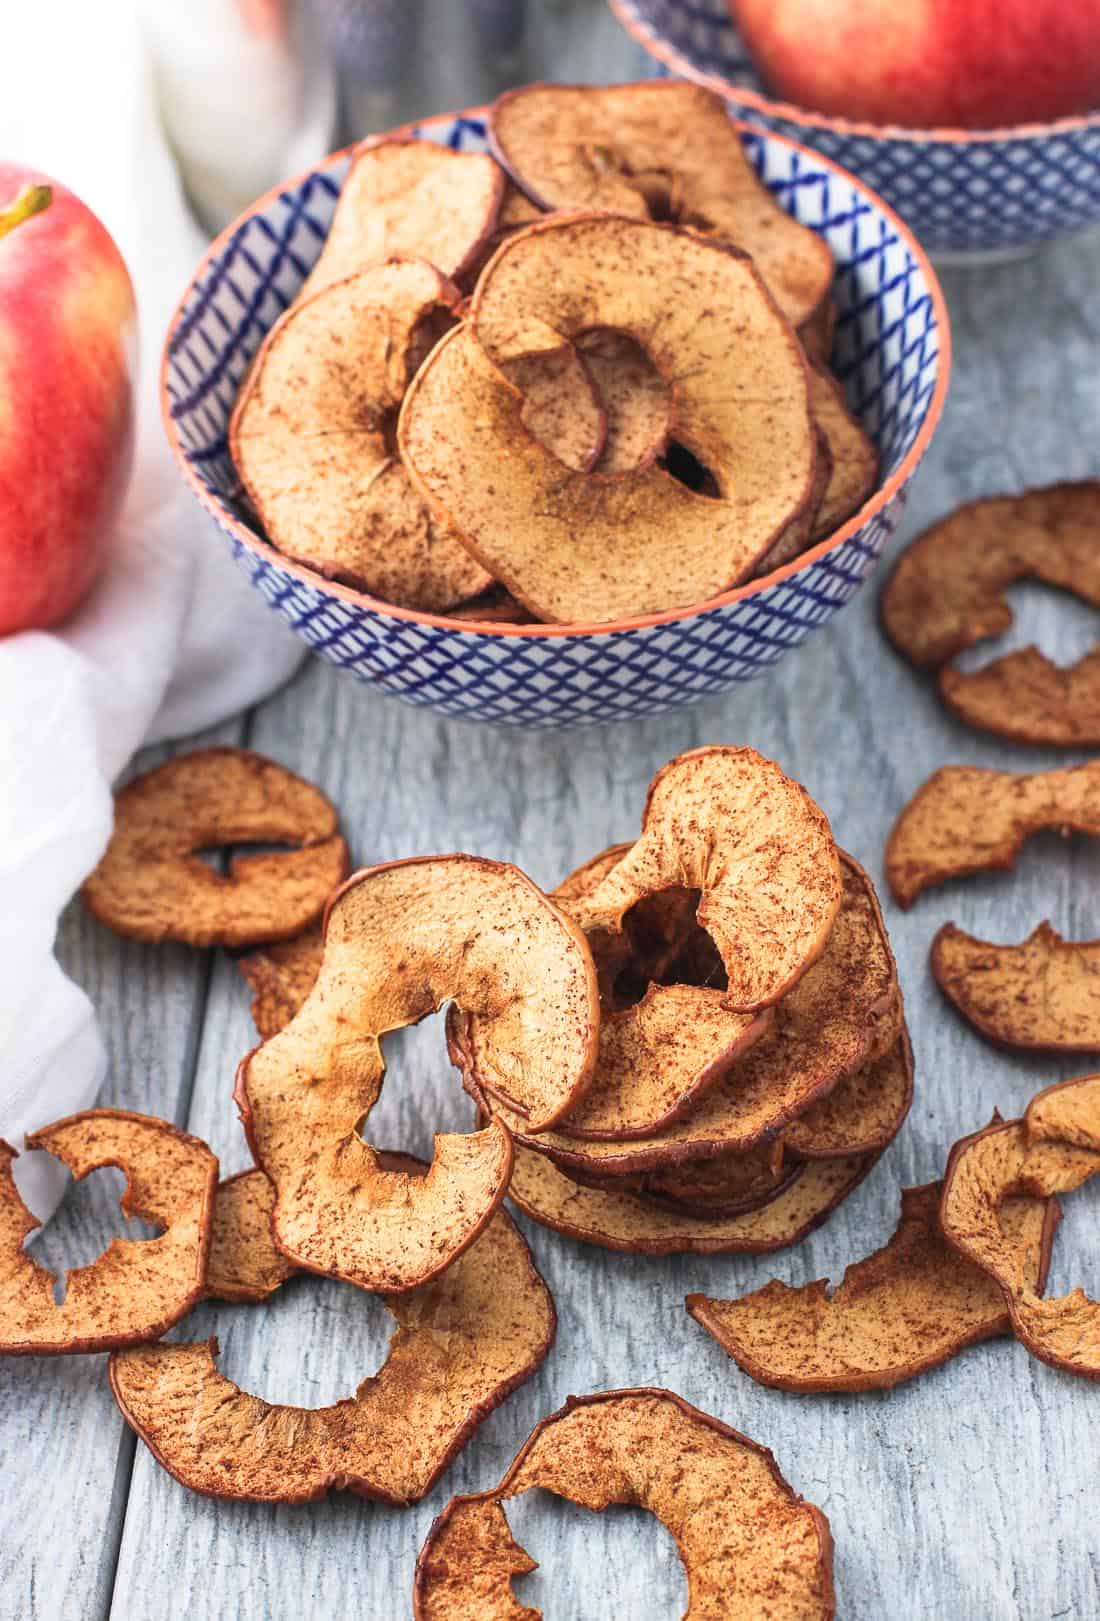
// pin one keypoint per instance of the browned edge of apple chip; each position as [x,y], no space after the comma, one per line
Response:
[1042,995]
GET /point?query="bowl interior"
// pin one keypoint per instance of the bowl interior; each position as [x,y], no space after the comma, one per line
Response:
[887,342]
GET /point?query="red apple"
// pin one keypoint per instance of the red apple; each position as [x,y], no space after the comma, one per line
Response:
[969,64]
[66,407]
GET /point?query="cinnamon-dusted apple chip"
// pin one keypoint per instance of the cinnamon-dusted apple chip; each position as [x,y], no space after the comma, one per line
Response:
[852,456]
[494,607]
[843,1014]
[637,1225]
[137,1288]
[727,1186]
[411,199]
[312,438]
[576,546]
[561,405]
[463,1343]
[909,1307]
[818,331]
[400,940]
[969,819]
[152,885]
[1043,994]
[244,1263]
[749,1544]
[1052,1150]
[948,592]
[659,151]
[281,977]
[729,823]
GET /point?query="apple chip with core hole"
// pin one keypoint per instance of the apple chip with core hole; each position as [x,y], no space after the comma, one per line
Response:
[659,152]
[730,824]
[948,592]
[152,884]
[749,1544]
[400,940]
[312,438]
[909,1307]
[281,977]
[970,819]
[842,1015]
[592,547]
[852,457]
[137,1288]
[244,1263]
[1052,1150]
[463,1343]
[1043,994]
[636,1225]
[411,200]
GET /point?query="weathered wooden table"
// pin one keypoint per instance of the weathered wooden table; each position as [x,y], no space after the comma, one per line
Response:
[972,1494]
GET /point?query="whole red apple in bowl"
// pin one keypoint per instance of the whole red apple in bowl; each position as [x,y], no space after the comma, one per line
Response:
[66,396]
[927,64]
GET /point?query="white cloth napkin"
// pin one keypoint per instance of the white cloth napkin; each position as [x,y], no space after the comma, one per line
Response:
[172,638]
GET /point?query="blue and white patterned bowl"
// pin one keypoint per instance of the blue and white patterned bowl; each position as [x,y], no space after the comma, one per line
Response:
[892,351]
[977,193]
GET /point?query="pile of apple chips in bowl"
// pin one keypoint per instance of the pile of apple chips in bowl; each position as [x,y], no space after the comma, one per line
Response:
[581,381]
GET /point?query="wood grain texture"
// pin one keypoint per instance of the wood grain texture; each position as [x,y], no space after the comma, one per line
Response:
[970,1494]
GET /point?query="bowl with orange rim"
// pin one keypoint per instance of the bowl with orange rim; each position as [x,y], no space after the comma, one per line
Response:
[892,355]
[968,195]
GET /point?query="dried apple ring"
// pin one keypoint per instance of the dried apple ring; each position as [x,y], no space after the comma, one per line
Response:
[400,940]
[463,1343]
[1053,1149]
[136,1289]
[1042,995]
[591,547]
[410,199]
[281,977]
[749,1544]
[909,1307]
[852,456]
[843,1014]
[665,151]
[967,819]
[312,438]
[152,885]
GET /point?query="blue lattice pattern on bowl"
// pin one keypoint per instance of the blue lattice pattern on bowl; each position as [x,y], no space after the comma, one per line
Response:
[891,352]
[960,191]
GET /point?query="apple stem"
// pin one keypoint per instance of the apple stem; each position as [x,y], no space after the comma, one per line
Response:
[31,200]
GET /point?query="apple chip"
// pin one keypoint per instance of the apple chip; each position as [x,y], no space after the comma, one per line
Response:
[659,151]
[909,1307]
[244,1263]
[969,819]
[729,823]
[852,456]
[411,199]
[136,1289]
[749,1544]
[796,537]
[400,940]
[588,547]
[818,331]
[1043,994]
[281,977]
[635,397]
[948,592]
[494,607]
[637,1225]
[463,1343]
[842,1015]
[1053,1149]
[312,438]
[1028,699]
[151,883]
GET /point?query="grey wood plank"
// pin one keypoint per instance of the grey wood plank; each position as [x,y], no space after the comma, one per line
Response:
[65,1454]
[970,1493]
